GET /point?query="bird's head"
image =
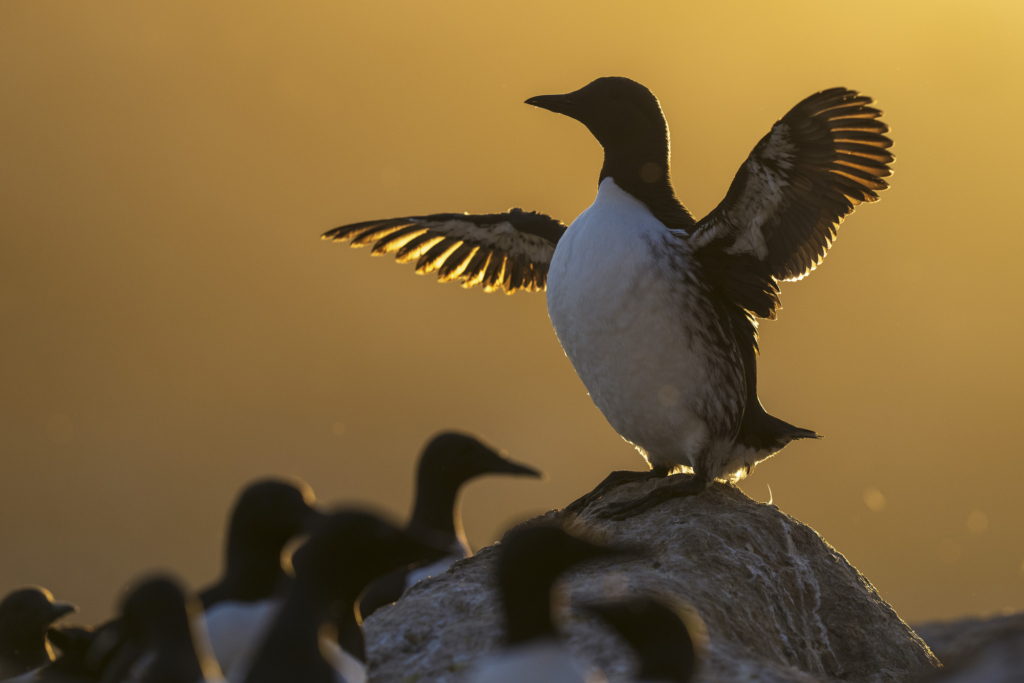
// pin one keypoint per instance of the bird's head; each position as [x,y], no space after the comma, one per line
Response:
[620,112]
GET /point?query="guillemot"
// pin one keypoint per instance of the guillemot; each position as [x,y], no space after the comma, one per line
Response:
[450,460]
[25,616]
[531,560]
[658,311]
[242,604]
[657,633]
[160,645]
[349,549]
[268,513]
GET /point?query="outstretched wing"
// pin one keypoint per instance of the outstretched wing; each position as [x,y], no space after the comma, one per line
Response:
[783,209]
[507,251]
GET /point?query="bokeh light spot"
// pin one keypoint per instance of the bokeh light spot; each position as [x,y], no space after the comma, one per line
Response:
[977,522]
[874,499]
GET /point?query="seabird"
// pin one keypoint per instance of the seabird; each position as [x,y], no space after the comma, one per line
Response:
[657,311]
[268,514]
[241,606]
[25,616]
[658,635]
[449,461]
[349,550]
[531,559]
[160,645]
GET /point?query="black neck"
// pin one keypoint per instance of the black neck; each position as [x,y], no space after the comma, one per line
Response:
[642,168]
[437,507]
[253,575]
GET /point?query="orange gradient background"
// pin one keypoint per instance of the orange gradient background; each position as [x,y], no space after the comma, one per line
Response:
[171,326]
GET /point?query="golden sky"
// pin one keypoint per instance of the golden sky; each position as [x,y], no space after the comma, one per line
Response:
[171,326]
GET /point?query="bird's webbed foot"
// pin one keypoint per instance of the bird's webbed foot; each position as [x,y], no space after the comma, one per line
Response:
[614,480]
[685,486]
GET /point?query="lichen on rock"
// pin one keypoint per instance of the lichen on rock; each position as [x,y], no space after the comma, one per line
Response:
[777,602]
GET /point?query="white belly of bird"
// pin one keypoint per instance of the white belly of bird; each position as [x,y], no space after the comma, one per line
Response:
[620,313]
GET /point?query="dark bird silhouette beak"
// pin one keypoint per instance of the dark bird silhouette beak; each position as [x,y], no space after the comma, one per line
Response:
[506,466]
[560,104]
[59,609]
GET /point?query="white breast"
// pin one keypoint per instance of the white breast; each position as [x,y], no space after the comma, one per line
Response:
[546,661]
[235,630]
[434,569]
[624,315]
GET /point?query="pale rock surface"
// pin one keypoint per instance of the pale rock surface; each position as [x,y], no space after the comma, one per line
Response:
[977,650]
[779,603]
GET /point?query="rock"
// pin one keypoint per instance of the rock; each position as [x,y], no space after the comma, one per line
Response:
[977,650]
[778,602]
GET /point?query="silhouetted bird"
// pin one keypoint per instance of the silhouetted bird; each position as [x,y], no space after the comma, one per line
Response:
[25,615]
[348,551]
[656,310]
[159,645]
[241,606]
[530,561]
[268,514]
[658,635]
[449,461]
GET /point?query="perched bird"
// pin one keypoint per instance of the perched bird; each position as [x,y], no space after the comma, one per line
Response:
[658,635]
[268,514]
[656,310]
[160,646]
[25,616]
[241,606]
[530,561]
[449,461]
[348,551]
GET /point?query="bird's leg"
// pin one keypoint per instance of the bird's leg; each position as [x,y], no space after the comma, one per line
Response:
[614,480]
[685,486]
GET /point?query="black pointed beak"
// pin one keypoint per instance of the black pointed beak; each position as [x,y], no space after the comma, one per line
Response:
[506,466]
[59,609]
[560,104]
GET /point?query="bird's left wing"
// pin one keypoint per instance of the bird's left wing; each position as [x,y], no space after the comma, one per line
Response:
[507,251]
[825,156]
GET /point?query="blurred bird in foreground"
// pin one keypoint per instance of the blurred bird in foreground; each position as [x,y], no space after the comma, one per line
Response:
[159,645]
[657,633]
[242,605]
[349,550]
[657,310]
[25,616]
[530,562]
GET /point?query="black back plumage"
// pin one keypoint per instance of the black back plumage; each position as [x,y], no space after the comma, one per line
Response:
[658,634]
[531,560]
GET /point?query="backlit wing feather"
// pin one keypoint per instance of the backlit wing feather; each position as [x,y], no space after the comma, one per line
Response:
[509,251]
[784,207]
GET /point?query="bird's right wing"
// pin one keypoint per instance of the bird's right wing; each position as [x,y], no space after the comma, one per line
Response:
[507,251]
